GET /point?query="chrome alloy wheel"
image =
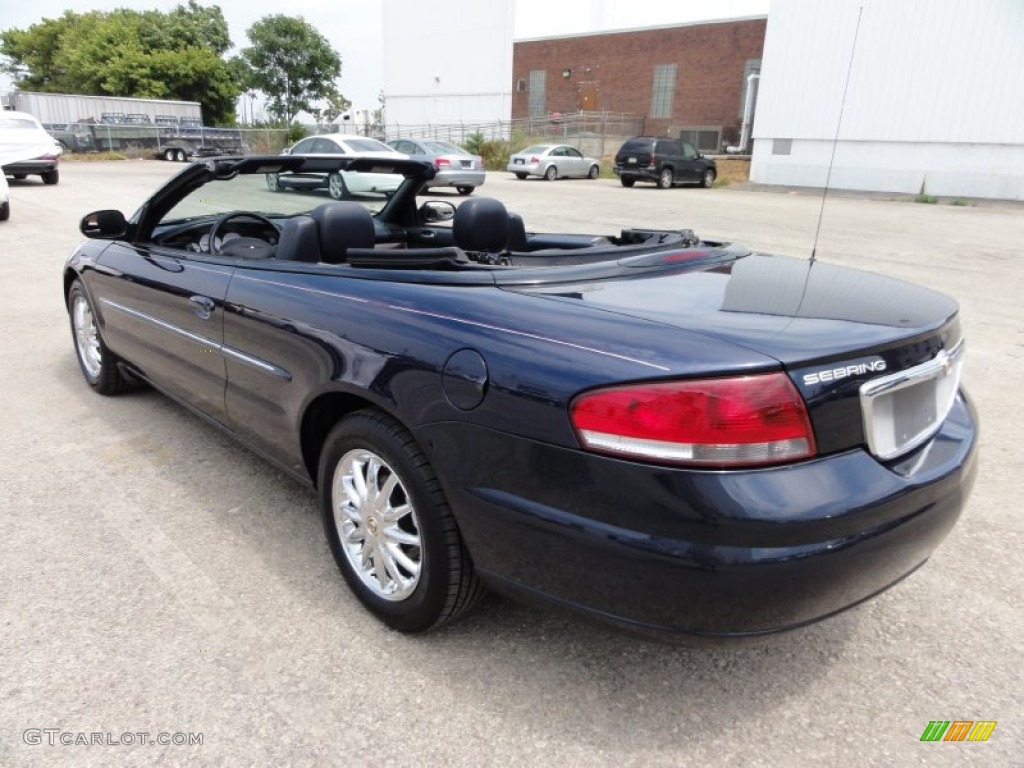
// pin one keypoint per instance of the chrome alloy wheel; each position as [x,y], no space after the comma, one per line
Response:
[336,186]
[377,525]
[87,337]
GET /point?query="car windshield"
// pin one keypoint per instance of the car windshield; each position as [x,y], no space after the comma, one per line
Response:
[444,147]
[17,124]
[265,194]
[367,145]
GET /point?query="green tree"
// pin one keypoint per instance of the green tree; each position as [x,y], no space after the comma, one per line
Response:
[144,54]
[293,65]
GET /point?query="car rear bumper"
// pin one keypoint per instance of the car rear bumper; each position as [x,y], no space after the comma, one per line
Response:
[703,553]
[640,174]
[30,166]
[458,178]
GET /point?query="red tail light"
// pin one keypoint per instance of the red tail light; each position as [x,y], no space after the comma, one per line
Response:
[534,160]
[734,422]
[440,162]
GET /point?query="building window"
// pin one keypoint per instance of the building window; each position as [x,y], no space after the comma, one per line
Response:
[706,138]
[663,88]
[538,97]
[782,146]
[521,85]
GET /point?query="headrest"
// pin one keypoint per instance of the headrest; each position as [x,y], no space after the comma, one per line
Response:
[342,225]
[481,224]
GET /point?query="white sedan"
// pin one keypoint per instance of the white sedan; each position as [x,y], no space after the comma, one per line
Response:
[339,185]
[553,161]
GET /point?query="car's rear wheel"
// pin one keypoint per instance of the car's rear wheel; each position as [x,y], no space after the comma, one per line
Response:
[464,190]
[19,176]
[98,364]
[389,526]
[666,178]
[273,183]
[627,181]
[182,156]
[708,179]
[336,186]
[594,172]
[520,175]
[170,155]
[51,177]
[551,173]
[5,211]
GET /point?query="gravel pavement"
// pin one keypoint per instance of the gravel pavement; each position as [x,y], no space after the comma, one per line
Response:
[157,578]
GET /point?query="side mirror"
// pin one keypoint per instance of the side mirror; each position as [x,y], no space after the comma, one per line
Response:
[437,210]
[107,224]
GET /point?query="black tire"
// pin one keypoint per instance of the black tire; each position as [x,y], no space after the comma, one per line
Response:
[446,585]
[182,156]
[594,172]
[19,176]
[520,175]
[170,155]
[273,183]
[465,190]
[99,366]
[550,173]
[666,178]
[627,181]
[708,179]
[5,211]
[51,177]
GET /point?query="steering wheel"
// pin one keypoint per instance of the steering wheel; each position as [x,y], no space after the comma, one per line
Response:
[242,247]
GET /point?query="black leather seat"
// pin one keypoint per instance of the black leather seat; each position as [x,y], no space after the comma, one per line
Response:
[300,240]
[481,224]
[340,226]
[516,233]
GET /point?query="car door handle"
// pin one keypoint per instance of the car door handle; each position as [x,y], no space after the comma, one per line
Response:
[428,235]
[203,306]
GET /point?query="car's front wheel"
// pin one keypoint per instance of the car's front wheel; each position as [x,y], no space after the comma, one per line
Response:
[666,178]
[51,177]
[389,526]
[594,172]
[551,173]
[464,190]
[336,186]
[708,179]
[274,183]
[5,211]
[98,364]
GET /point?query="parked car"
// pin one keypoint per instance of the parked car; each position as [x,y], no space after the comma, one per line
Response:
[553,161]
[668,433]
[666,162]
[455,166]
[27,149]
[5,199]
[339,185]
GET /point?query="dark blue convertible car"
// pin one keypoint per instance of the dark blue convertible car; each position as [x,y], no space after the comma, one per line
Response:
[670,434]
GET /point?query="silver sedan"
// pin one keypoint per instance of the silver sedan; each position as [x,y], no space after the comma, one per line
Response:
[553,161]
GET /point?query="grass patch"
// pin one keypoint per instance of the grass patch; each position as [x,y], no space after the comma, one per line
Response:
[960,201]
[91,157]
[926,199]
[732,170]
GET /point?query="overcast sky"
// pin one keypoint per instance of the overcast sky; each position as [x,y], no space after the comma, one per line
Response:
[353,27]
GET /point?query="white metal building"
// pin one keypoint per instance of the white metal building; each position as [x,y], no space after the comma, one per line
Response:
[935,101]
[447,62]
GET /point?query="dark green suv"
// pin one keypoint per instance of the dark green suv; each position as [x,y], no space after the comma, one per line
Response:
[666,162]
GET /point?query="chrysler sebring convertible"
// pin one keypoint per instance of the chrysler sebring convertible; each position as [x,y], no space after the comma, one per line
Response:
[675,435]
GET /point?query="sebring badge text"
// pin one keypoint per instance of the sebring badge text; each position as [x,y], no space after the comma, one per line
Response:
[835,374]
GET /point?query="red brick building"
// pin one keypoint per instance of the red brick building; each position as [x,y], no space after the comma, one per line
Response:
[684,80]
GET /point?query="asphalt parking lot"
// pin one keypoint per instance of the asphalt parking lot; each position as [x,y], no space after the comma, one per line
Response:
[157,578]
